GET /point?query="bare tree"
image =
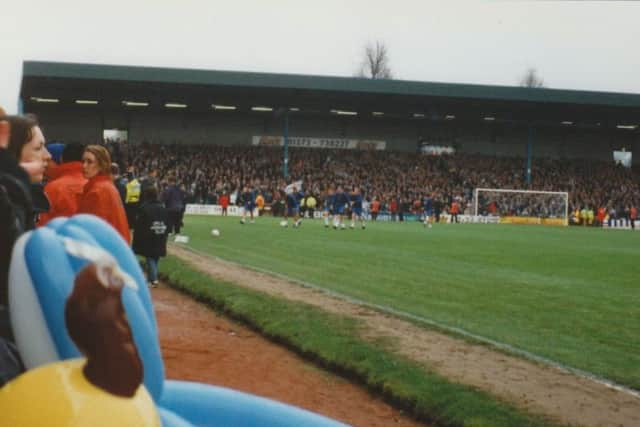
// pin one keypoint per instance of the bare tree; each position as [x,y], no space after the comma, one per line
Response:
[531,79]
[375,64]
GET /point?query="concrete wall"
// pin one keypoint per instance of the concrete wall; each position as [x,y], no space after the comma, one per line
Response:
[85,127]
[232,128]
[237,129]
[551,142]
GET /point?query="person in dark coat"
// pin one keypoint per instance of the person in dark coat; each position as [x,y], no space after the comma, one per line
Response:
[151,230]
[23,161]
[120,181]
[27,145]
[173,198]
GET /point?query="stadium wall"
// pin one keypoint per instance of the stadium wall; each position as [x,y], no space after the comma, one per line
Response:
[232,128]
[238,129]
[551,142]
[85,127]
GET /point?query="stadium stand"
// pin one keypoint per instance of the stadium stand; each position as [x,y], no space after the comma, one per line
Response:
[206,171]
[565,139]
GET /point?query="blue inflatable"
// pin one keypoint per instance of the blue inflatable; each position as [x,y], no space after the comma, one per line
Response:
[43,267]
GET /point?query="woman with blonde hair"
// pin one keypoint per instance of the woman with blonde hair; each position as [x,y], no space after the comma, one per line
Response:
[100,196]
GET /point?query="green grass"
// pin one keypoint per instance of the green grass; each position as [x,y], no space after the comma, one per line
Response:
[333,342]
[571,295]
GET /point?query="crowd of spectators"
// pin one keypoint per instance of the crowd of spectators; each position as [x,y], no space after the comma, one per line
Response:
[399,181]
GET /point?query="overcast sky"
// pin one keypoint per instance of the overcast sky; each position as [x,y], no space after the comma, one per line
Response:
[574,45]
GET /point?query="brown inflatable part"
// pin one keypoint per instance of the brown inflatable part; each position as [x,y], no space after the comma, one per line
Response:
[97,323]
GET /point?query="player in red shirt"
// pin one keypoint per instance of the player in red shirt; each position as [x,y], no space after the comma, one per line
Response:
[455,210]
[601,215]
[375,208]
[224,202]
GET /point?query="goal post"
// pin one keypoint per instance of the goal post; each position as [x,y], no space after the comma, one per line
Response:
[523,206]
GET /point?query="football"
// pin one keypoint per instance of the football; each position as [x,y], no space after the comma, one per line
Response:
[283,223]
[215,232]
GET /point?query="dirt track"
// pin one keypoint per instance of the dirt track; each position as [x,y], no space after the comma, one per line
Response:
[559,395]
[198,345]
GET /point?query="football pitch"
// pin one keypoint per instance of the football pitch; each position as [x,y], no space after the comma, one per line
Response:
[570,295]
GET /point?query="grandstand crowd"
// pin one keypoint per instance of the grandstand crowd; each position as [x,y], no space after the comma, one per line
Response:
[398,181]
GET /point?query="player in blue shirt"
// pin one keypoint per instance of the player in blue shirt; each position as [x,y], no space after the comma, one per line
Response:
[248,198]
[329,201]
[356,208]
[339,207]
[427,204]
[293,196]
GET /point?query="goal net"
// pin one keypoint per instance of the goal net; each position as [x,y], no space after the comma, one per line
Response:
[523,206]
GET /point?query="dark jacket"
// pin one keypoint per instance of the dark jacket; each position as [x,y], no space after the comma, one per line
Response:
[16,212]
[150,237]
[121,186]
[16,216]
[173,198]
[41,204]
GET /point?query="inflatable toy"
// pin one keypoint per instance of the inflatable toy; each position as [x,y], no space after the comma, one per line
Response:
[44,266]
[58,394]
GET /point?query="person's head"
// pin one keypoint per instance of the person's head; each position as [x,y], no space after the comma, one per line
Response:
[72,152]
[27,144]
[149,193]
[115,169]
[56,149]
[23,132]
[96,160]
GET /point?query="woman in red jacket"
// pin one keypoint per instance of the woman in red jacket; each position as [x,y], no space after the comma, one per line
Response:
[100,196]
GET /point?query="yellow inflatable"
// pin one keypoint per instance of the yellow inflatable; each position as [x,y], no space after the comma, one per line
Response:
[58,394]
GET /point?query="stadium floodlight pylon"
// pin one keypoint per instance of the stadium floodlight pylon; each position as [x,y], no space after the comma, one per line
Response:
[525,203]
